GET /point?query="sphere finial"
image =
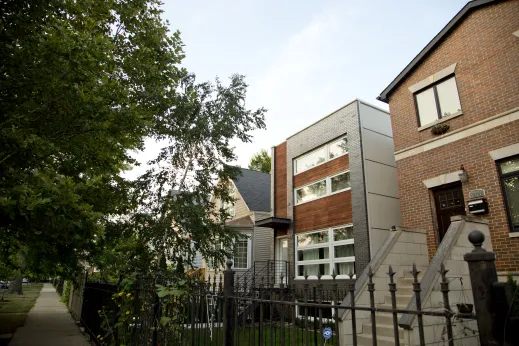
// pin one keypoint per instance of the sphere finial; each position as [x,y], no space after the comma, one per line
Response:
[229,264]
[477,238]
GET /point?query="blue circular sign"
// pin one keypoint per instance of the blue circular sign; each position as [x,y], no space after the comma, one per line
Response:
[327,333]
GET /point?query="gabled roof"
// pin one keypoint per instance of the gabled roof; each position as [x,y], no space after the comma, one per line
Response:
[254,187]
[458,18]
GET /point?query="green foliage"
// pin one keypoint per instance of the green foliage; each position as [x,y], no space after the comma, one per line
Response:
[261,162]
[82,83]
[515,293]
[67,288]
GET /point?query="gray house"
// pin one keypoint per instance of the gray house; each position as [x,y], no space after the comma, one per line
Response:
[251,192]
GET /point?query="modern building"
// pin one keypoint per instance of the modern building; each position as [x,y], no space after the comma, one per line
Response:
[334,193]
[455,119]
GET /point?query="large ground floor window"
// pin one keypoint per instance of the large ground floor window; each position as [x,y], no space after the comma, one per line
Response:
[324,252]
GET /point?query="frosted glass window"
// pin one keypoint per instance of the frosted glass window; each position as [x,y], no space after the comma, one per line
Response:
[427,110]
[438,101]
[448,97]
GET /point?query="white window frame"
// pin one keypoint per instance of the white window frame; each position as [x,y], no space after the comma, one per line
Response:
[331,261]
[326,158]
[439,116]
[328,188]
[209,263]
[249,254]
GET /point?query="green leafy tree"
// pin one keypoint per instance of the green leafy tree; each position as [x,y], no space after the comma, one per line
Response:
[261,162]
[82,83]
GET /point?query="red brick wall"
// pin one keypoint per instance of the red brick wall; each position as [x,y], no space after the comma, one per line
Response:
[329,211]
[472,152]
[280,180]
[487,72]
[322,171]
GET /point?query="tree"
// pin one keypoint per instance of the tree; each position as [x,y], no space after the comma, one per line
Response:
[261,162]
[82,83]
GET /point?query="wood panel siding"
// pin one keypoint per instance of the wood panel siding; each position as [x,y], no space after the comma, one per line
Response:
[329,211]
[322,171]
[280,181]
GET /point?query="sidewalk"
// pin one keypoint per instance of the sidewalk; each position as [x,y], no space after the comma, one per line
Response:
[48,323]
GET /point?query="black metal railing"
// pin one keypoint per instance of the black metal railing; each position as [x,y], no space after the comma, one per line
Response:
[225,311]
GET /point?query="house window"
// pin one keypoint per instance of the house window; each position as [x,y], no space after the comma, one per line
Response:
[438,101]
[325,251]
[330,185]
[509,175]
[338,148]
[311,192]
[241,254]
[322,154]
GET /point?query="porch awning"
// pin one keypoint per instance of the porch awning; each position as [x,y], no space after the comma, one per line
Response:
[273,222]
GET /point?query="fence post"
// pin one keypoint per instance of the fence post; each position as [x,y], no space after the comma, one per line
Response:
[228,293]
[483,275]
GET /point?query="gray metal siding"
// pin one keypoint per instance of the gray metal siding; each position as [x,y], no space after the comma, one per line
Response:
[262,244]
[344,120]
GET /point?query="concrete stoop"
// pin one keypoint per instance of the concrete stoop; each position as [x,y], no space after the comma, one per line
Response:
[403,248]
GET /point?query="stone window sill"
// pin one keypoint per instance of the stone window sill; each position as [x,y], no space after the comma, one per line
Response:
[513,234]
[447,118]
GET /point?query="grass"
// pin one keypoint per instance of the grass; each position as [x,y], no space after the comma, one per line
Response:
[245,336]
[13,311]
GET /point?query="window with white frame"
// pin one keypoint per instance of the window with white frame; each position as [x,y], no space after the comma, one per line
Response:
[322,252]
[438,101]
[320,155]
[330,185]
[241,254]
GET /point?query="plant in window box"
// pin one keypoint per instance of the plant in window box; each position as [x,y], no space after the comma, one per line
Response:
[439,129]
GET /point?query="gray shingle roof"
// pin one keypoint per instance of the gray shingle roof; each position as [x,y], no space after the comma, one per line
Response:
[254,187]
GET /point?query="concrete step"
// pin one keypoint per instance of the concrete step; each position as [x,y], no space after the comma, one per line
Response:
[383,330]
[407,273]
[405,282]
[384,318]
[401,299]
[404,290]
[366,340]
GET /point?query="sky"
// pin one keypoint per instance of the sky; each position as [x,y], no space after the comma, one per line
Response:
[302,59]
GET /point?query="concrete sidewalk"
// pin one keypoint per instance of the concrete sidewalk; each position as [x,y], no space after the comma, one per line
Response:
[49,323]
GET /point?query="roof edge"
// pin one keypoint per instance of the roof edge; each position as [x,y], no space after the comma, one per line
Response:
[384,95]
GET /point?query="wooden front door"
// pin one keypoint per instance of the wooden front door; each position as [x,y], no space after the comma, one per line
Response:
[449,202]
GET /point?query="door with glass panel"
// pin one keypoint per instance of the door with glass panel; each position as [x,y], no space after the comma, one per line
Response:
[281,259]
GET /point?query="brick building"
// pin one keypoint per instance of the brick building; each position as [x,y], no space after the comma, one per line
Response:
[455,119]
[334,192]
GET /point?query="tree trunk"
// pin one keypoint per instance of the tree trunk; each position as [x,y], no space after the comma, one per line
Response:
[15,287]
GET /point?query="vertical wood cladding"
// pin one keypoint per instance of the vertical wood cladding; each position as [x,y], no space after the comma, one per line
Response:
[322,171]
[329,211]
[280,181]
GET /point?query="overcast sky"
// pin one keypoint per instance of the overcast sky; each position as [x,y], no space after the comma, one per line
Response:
[303,59]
